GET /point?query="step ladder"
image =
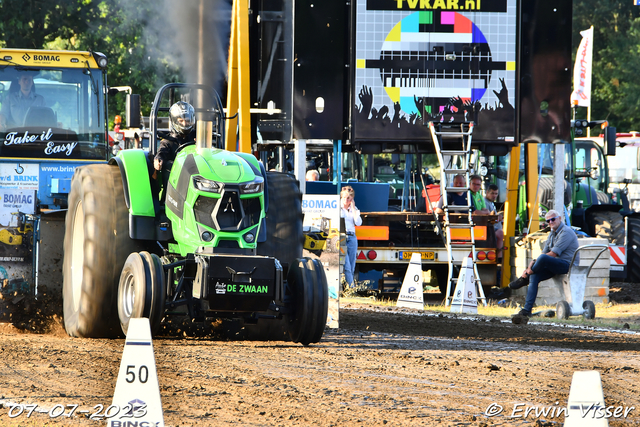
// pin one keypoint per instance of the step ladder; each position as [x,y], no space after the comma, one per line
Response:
[454,140]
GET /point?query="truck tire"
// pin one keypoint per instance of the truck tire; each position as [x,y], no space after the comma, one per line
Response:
[308,284]
[633,251]
[608,225]
[141,291]
[96,245]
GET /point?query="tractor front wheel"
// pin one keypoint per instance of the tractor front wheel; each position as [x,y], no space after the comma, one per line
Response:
[141,292]
[308,284]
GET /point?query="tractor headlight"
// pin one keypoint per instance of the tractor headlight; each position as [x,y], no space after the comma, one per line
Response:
[252,187]
[207,185]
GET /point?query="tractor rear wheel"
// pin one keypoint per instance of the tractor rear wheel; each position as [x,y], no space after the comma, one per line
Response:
[633,255]
[608,225]
[96,245]
[284,242]
[284,219]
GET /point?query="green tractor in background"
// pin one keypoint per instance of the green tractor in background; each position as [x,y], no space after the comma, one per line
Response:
[228,243]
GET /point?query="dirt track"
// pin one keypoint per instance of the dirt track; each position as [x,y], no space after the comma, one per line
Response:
[382,367]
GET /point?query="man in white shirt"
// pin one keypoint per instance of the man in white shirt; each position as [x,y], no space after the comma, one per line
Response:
[351,215]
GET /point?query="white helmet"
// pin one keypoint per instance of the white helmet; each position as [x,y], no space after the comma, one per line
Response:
[182,117]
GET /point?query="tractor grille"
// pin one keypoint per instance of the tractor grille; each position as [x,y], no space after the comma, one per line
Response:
[229,213]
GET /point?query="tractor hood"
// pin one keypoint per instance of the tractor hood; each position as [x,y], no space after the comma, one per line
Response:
[223,166]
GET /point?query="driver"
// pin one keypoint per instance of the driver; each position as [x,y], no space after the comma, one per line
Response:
[182,120]
[15,106]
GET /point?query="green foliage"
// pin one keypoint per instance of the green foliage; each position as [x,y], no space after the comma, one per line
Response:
[615,86]
[115,28]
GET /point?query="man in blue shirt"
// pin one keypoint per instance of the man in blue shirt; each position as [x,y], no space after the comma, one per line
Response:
[455,198]
[556,257]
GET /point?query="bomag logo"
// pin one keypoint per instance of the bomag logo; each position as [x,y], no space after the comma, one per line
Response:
[46,58]
[41,58]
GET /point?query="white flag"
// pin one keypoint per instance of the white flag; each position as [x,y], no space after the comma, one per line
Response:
[581,95]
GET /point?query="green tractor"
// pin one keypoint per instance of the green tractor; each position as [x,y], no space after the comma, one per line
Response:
[227,243]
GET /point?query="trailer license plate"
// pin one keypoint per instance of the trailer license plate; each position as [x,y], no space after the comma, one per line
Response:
[423,255]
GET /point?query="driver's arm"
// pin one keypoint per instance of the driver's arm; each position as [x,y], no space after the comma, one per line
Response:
[166,152]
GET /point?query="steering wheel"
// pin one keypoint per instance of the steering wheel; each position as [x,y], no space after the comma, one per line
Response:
[186,144]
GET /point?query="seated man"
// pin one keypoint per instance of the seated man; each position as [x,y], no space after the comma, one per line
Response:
[490,198]
[555,259]
[476,195]
[312,175]
[15,106]
[457,198]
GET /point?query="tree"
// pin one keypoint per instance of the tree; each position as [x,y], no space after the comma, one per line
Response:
[33,23]
[115,28]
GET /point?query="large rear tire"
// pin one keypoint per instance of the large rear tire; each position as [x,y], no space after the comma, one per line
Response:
[633,251]
[284,219]
[608,225]
[96,245]
[284,242]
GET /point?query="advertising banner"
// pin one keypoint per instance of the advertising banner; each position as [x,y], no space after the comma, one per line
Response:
[19,176]
[322,241]
[431,60]
[581,95]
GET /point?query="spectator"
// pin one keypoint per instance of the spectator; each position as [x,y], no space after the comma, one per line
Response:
[490,198]
[476,195]
[351,215]
[313,175]
[15,106]
[455,198]
[555,259]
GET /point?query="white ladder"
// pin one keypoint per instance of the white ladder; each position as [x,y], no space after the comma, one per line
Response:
[455,140]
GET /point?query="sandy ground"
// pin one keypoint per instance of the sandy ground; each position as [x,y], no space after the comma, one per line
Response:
[381,367]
